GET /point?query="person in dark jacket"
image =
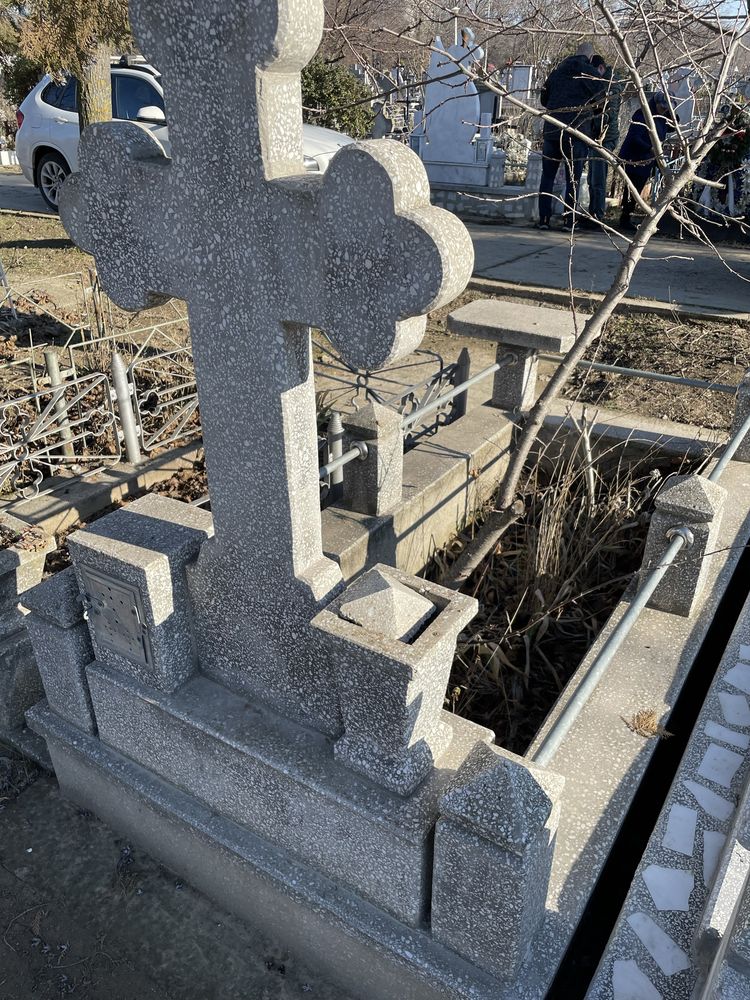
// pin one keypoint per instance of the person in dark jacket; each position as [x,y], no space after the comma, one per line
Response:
[570,93]
[637,151]
[605,128]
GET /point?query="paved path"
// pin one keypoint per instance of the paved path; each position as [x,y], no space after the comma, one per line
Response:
[17,195]
[671,271]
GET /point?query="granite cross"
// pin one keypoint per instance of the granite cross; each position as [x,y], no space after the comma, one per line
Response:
[261,250]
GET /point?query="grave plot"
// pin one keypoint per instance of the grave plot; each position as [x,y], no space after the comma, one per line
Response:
[263,712]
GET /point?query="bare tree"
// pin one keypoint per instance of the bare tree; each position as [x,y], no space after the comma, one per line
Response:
[648,42]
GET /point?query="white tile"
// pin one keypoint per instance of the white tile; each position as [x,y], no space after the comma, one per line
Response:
[745,653]
[720,765]
[716,731]
[715,805]
[680,832]
[734,708]
[665,952]
[629,983]
[670,888]
[739,676]
[712,845]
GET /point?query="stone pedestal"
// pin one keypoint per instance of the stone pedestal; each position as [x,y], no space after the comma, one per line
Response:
[372,485]
[694,503]
[392,638]
[493,855]
[520,332]
[62,646]
[131,572]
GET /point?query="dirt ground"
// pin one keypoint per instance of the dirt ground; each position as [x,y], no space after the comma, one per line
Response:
[85,914]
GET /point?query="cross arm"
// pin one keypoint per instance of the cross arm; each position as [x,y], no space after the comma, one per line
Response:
[111,208]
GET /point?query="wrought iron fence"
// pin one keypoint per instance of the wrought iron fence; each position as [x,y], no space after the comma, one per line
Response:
[165,397]
[71,424]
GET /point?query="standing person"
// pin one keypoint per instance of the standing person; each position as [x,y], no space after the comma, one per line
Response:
[605,128]
[637,151]
[570,93]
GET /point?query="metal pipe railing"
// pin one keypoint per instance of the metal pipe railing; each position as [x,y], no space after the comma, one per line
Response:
[358,450]
[679,537]
[598,366]
[412,418]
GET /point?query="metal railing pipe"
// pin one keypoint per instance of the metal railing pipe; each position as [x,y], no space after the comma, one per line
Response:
[125,409]
[60,406]
[335,439]
[412,418]
[560,728]
[598,366]
[358,450]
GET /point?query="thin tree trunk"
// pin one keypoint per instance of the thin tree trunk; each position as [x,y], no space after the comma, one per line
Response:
[95,88]
[591,331]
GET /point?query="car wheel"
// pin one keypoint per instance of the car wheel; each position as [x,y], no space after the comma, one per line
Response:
[51,171]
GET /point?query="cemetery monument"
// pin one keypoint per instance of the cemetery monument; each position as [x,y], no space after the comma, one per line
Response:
[216,693]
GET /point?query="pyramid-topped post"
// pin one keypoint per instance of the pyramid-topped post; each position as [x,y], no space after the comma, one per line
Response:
[392,637]
[494,845]
[262,250]
[696,504]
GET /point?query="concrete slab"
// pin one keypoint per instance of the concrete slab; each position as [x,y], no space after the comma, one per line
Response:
[676,272]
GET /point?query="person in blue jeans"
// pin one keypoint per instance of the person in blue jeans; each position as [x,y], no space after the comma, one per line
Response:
[605,128]
[571,93]
[637,151]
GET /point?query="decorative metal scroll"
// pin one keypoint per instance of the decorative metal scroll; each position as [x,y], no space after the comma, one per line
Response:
[405,398]
[165,397]
[66,426]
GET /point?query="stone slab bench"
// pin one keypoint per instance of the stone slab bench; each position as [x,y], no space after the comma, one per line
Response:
[520,332]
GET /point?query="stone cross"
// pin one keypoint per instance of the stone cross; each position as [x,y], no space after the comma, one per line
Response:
[261,250]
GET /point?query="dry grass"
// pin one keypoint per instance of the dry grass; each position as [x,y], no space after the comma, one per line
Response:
[551,584]
[645,723]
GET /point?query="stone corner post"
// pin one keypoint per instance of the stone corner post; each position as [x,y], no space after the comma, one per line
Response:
[494,844]
[694,503]
[62,646]
[24,549]
[372,485]
[741,413]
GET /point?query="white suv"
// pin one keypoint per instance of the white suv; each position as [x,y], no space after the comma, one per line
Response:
[47,139]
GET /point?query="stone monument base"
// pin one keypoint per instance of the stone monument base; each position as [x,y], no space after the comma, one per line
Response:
[355,944]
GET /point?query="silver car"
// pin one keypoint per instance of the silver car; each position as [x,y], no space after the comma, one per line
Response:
[47,139]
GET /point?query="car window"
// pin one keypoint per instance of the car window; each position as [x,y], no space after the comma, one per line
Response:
[61,95]
[130,94]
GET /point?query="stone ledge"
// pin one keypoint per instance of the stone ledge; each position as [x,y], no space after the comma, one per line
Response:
[446,476]
[367,953]
[76,500]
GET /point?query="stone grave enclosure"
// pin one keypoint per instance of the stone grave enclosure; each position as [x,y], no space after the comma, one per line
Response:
[273,734]
[261,713]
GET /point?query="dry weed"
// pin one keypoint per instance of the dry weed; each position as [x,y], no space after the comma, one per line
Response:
[646,723]
[551,583]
